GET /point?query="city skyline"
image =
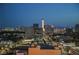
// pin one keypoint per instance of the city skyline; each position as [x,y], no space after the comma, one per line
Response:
[30,13]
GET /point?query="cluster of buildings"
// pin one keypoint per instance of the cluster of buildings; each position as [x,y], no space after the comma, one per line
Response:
[20,36]
[37,30]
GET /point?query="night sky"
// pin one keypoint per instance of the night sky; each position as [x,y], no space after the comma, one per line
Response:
[27,14]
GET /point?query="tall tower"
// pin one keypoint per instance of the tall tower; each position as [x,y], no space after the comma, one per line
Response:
[43,25]
[43,29]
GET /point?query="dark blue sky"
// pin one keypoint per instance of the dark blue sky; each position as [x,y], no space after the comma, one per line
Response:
[27,14]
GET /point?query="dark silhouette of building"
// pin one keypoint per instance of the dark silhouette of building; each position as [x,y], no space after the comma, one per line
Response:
[77,28]
[35,28]
[69,31]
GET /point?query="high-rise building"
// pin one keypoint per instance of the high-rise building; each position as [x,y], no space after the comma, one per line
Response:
[48,29]
[77,28]
[35,28]
[43,25]
[59,30]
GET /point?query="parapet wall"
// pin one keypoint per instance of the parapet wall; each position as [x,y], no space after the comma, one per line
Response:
[38,51]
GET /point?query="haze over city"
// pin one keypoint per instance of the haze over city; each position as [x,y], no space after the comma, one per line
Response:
[27,14]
